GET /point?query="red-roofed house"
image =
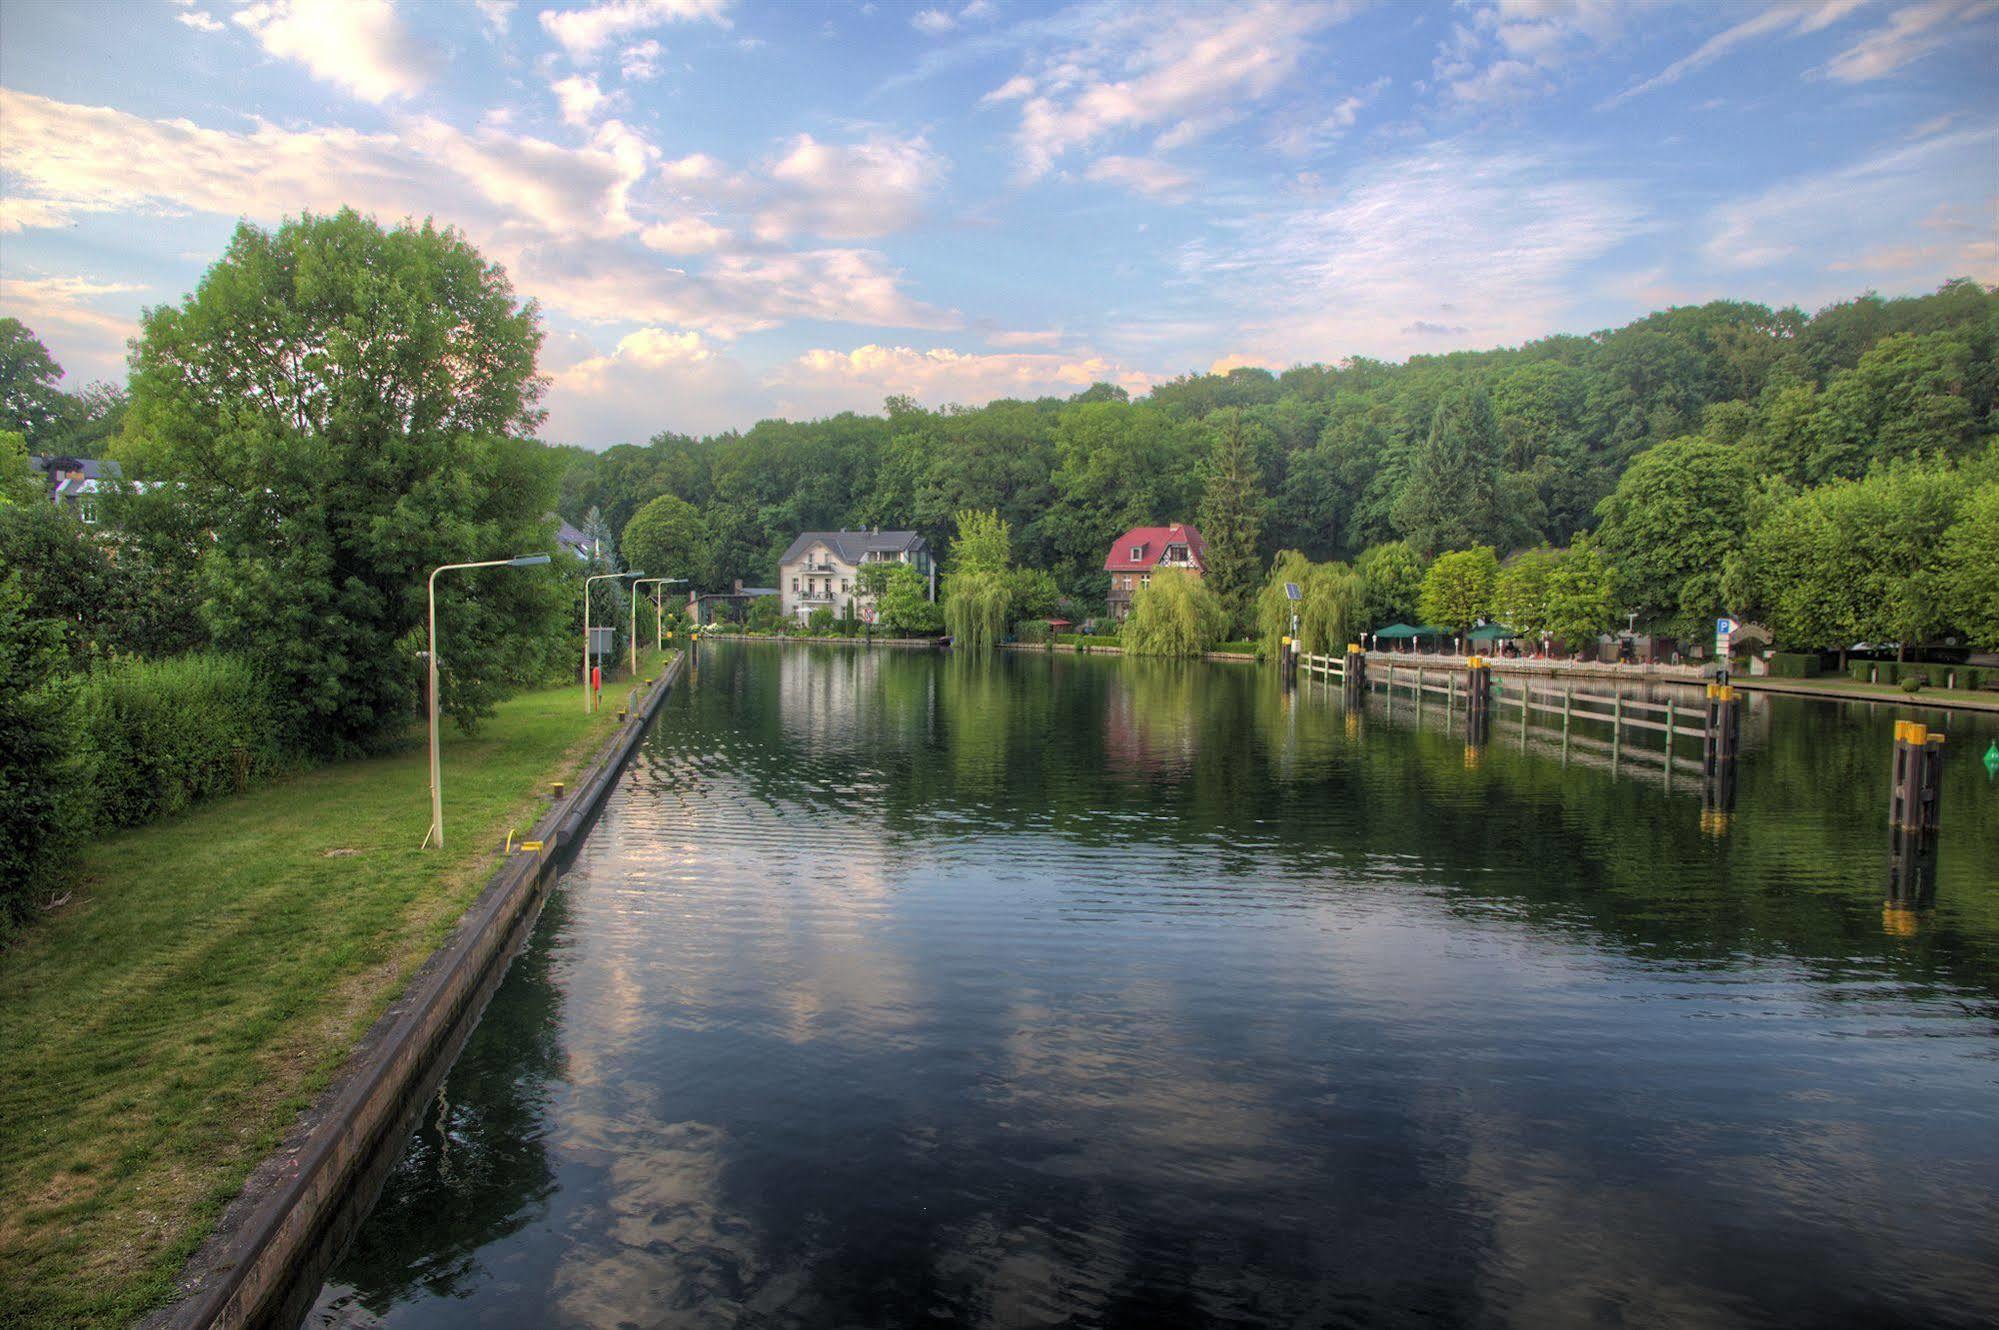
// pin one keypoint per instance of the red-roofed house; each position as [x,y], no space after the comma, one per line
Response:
[1142,551]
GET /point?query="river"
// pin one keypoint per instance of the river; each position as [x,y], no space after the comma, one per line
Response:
[898,990]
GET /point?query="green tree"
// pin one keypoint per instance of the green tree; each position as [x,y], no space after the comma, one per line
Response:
[902,602]
[1581,594]
[1670,527]
[1391,579]
[1458,589]
[1452,497]
[667,538]
[978,587]
[31,403]
[1969,567]
[1520,596]
[1232,523]
[343,406]
[20,480]
[1329,608]
[1176,614]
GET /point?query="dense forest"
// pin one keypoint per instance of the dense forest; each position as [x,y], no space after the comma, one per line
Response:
[1511,448]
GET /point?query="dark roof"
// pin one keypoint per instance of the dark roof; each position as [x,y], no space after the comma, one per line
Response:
[1151,543]
[851,545]
[93,468]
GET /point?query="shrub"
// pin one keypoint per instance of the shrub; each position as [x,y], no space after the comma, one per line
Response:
[820,624]
[160,735]
[1033,632]
[1793,665]
[39,774]
[1239,648]
[1914,681]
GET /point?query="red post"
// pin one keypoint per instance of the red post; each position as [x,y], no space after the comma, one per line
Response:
[597,682]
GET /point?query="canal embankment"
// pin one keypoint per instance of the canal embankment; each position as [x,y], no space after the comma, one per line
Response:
[208,981]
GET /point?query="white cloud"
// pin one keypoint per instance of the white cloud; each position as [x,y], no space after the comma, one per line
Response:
[1241,360]
[580,99]
[1451,236]
[1864,217]
[568,222]
[933,21]
[496,15]
[824,380]
[847,191]
[1793,19]
[1909,34]
[655,378]
[66,308]
[1305,134]
[200,20]
[1179,72]
[685,235]
[584,32]
[640,62]
[1025,337]
[1146,175]
[1511,49]
[359,45]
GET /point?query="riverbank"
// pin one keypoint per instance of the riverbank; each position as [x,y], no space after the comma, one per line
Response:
[1956,699]
[210,976]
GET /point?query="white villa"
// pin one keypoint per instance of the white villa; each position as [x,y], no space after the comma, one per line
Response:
[822,569]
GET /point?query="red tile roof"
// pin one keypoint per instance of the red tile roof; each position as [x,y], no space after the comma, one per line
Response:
[1151,543]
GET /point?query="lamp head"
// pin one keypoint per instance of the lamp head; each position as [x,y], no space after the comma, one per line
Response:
[527,561]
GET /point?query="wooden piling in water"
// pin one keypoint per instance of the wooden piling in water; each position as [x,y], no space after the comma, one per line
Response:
[1722,730]
[1478,699]
[1918,778]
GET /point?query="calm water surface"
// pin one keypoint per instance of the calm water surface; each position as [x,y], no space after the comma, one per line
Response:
[895,991]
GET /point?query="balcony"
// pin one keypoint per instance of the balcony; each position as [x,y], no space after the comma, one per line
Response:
[818,568]
[814,598]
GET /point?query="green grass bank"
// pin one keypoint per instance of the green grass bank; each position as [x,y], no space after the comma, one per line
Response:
[207,979]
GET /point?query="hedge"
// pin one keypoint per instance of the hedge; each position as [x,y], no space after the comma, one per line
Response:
[1793,665]
[160,735]
[1893,672]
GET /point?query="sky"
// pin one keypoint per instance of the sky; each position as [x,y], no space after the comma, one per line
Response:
[733,209]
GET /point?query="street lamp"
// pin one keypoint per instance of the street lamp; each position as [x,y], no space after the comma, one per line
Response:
[658,612]
[436,775]
[586,626]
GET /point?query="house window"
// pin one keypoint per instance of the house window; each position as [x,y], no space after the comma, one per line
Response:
[794,586]
[843,586]
[1137,553]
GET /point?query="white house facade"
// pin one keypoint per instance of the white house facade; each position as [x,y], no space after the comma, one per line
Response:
[822,570]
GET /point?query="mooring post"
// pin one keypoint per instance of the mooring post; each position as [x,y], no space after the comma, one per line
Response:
[1718,799]
[1478,698]
[1918,776]
[1289,661]
[1355,674]
[1721,731]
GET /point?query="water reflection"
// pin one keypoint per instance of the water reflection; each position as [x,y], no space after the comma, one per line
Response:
[1058,990]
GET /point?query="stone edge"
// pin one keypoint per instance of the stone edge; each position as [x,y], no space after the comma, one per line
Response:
[245,1265]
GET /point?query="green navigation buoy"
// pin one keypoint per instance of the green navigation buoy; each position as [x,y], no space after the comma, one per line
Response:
[1992,759]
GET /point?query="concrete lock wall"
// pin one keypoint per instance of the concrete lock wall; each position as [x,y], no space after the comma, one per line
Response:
[264,1262]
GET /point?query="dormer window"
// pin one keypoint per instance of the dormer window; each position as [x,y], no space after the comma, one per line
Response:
[1137,553]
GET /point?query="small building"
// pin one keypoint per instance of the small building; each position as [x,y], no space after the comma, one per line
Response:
[75,482]
[1144,550]
[705,608]
[574,541]
[822,569]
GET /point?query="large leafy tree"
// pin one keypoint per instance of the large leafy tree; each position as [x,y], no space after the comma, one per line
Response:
[1458,589]
[1328,608]
[1232,522]
[344,406]
[1969,567]
[667,538]
[1391,580]
[31,401]
[1670,527]
[1520,596]
[1581,594]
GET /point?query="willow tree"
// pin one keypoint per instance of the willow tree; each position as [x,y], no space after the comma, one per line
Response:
[1330,606]
[1176,614]
[979,584]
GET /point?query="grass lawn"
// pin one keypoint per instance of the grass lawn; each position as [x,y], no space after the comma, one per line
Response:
[163,1029]
[1886,692]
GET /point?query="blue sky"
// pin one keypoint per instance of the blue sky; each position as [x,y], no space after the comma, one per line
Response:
[730,209]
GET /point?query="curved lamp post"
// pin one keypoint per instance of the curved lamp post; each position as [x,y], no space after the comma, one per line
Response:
[658,609]
[586,625]
[436,776]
